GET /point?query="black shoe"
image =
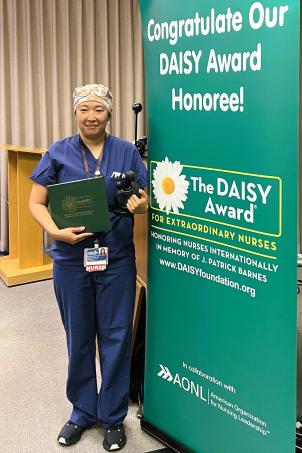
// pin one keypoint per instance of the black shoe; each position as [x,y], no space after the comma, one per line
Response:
[70,434]
[115,438]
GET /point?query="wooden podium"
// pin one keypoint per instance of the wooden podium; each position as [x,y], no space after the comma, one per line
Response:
[140,240]
[140,237]
[26,261]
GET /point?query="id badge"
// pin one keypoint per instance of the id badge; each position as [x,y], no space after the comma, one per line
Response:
[96,259]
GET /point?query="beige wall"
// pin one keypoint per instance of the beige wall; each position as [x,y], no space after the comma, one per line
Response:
[47,47]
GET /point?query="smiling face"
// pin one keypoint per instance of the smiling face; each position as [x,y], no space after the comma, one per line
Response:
[92,118]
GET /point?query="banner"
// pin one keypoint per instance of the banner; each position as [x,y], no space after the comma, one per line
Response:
[222,109]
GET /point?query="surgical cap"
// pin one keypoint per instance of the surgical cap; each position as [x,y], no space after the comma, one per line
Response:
[93,92]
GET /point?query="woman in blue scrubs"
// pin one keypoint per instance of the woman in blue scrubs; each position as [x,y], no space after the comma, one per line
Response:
[93,304]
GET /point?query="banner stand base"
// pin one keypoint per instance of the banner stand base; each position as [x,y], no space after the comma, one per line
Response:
[162,437]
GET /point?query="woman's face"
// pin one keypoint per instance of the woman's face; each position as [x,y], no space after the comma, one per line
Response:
[92,118]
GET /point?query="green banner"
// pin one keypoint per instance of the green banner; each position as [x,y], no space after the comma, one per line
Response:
[222,108]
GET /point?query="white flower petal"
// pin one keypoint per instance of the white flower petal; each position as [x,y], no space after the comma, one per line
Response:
[170,201]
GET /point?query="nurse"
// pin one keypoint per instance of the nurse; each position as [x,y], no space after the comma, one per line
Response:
[93,305]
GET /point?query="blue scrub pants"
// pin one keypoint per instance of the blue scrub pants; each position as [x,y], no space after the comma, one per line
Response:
[97,304]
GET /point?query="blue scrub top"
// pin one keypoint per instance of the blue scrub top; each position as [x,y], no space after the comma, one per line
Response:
[63,162]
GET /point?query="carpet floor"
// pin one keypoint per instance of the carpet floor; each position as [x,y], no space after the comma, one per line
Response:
[33,358]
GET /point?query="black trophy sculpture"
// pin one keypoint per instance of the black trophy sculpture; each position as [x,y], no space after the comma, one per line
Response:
[126,187]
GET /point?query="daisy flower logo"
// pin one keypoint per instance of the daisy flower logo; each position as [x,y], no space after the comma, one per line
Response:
[170,187]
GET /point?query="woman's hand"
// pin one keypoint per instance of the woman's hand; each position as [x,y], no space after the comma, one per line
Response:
[138,205]
[71,235]
[38,207]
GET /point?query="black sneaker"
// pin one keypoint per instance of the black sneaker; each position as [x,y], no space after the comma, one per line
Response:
[115,438]
[70,434]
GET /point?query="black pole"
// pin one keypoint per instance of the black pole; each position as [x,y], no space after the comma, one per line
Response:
[136,107]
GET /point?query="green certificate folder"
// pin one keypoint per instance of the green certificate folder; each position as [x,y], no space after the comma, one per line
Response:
[80,203]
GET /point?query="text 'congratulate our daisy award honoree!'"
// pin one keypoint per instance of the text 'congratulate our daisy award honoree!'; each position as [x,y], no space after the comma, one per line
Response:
[210,63]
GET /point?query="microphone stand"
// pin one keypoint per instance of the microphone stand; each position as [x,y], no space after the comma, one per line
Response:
[127,186]
[136,107]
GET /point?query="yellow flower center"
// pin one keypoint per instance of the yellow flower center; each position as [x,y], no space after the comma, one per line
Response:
[168,185]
